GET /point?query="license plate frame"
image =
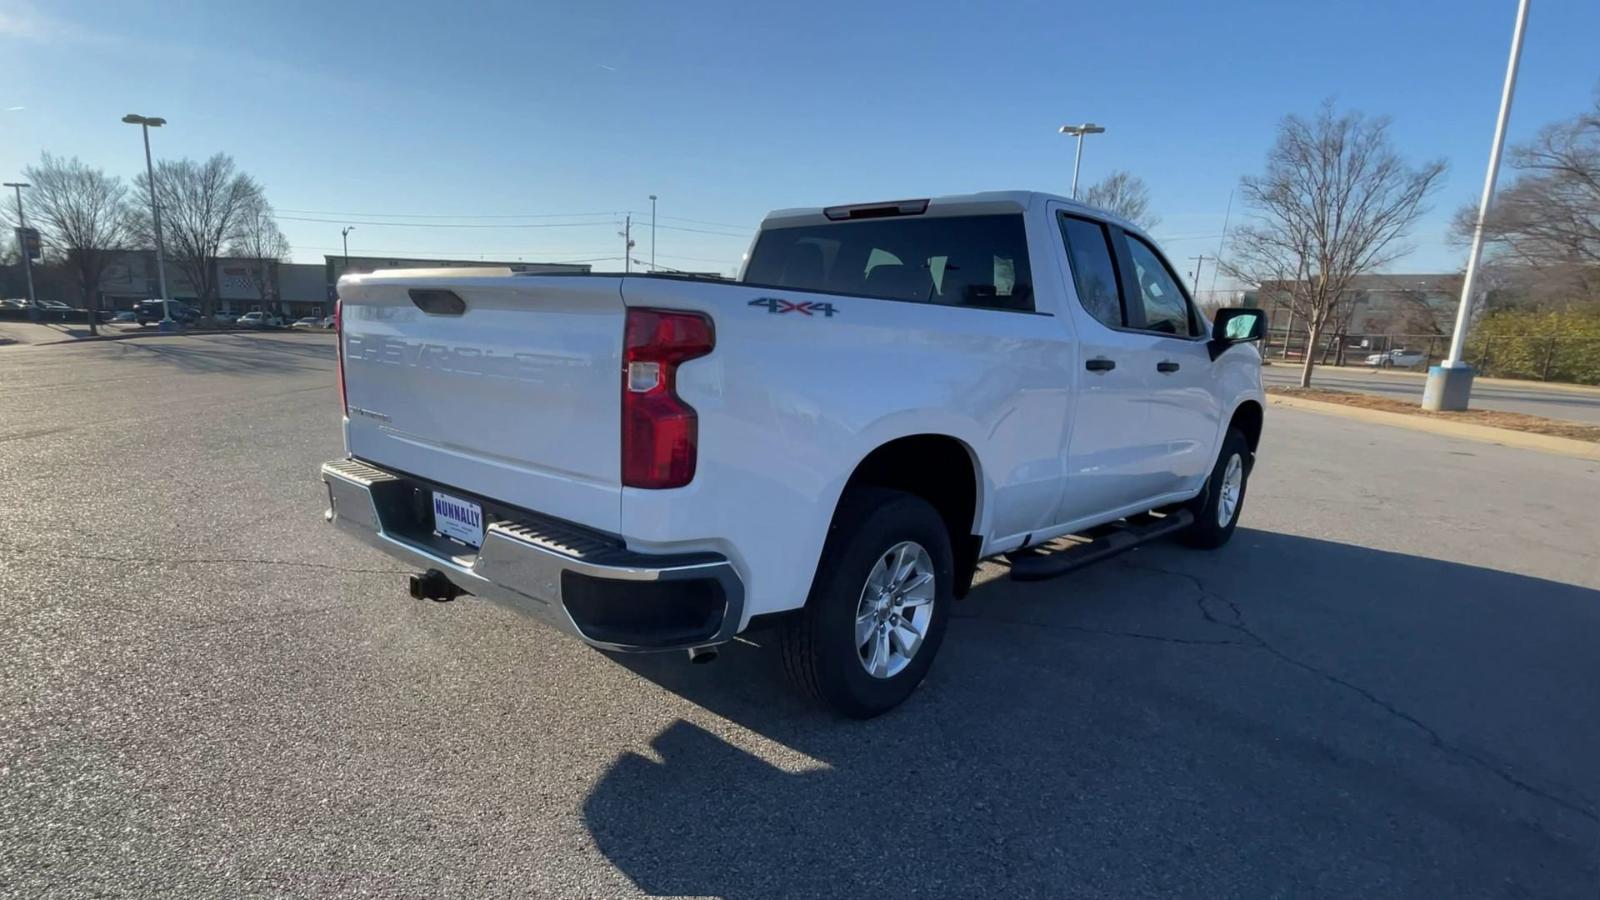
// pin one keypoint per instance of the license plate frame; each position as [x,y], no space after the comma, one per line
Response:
[458,519]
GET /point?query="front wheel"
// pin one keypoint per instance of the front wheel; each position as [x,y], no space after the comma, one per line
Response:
[878,607]
[1216,510]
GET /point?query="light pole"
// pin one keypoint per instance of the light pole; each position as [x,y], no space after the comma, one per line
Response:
[1449,384]
[652,232]
[1077,158]
[146,123]
[22,228]
[345,233]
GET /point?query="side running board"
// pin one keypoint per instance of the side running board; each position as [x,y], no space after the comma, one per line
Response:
[1037,564]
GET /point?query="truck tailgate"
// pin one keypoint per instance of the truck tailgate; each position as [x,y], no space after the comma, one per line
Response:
[516,397]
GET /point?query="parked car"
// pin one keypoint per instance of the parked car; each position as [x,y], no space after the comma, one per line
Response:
[259,319]
[147,311]
[307,322]
[329,322]
[1401,358]
[125,316]
[891,393]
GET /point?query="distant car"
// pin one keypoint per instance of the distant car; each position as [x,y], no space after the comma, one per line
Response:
[146,311]
[327,322]
[54,306]
[307,322]
[1401,358]
[13,303]
[125,316]
[259,319]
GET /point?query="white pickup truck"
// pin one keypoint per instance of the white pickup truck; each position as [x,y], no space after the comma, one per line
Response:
[889,393]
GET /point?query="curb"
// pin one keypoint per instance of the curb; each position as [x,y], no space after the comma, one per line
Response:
[1521,440]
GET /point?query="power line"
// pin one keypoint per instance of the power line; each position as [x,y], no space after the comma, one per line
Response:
[324,212]
[703,231]
[703,222]
[445,224]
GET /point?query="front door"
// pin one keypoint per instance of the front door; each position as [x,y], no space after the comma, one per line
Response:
[1184,411]
[1112,458]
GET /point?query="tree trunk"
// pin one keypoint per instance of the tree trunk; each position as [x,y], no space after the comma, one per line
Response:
[91,299]
[1309,361]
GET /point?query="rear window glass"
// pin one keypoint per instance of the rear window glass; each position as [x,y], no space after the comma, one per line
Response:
[979,261]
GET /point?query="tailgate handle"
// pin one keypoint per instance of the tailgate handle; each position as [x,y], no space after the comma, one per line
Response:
[438,303]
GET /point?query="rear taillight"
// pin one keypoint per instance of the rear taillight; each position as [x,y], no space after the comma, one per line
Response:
[338,337]
[659,431]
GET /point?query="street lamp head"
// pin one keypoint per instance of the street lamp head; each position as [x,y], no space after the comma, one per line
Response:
[18,184]
[1085,128]
[150,121]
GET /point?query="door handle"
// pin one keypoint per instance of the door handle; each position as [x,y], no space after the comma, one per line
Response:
[1100,364]
[1166,367]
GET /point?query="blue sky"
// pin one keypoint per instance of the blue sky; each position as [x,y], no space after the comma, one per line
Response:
[403,108]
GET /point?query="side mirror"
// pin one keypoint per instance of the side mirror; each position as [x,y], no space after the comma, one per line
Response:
[1235,325]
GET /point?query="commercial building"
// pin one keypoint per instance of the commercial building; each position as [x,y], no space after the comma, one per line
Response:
[243,285]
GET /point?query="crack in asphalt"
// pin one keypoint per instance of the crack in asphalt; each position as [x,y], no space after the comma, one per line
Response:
[1582,807]
[201,561]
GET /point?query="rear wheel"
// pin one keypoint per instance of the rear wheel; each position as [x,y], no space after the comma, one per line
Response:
[879,605]
[1217,508]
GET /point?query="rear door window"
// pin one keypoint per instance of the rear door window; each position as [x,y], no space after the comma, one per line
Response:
[1093,271]
[976,261]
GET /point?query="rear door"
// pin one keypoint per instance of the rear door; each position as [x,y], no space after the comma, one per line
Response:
[507,387]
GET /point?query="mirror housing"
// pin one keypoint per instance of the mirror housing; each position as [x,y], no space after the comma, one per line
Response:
[1236,325]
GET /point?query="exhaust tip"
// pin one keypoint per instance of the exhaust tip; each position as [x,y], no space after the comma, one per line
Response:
[702,655]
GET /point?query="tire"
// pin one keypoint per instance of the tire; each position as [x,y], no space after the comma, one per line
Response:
[821,655]
[1214,518]
[1386,364]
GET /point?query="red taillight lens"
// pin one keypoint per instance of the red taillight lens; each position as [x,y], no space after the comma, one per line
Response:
[660,432]
[338,337]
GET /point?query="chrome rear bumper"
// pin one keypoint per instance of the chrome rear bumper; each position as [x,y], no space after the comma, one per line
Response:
[582,582]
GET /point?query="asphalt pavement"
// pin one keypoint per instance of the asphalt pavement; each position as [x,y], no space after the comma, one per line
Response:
[1553,401]
[1385,686]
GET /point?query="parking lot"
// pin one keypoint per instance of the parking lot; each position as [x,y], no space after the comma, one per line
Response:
[1386,685]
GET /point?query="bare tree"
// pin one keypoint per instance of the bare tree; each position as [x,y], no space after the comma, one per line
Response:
[203,206]
[259,239]
[83,217]
[1334,202]
[1544,228]
[1123,194]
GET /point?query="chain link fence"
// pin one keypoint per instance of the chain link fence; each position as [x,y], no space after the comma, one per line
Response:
[1574,360]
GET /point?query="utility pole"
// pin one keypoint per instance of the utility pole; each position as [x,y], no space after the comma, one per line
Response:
[345,233]
[1199,262]
[22,245]
[1077,158]
[652,232]
[627,244]
[1449,385]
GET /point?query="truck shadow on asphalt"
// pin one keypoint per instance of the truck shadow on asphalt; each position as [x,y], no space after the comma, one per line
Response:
[1286,716]
[233,353]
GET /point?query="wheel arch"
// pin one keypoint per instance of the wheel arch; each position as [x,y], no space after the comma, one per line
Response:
[939,468]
